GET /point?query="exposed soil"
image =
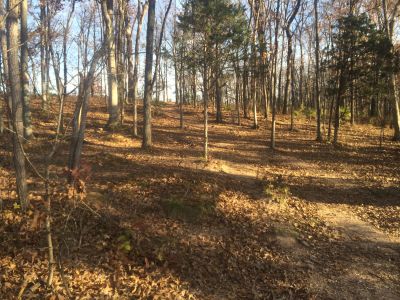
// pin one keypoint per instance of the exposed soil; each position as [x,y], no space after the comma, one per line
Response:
[305,221]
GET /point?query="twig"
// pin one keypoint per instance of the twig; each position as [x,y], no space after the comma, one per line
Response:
[92,210]
[23,287]
[63,279]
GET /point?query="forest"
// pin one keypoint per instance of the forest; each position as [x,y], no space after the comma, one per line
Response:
[199,149]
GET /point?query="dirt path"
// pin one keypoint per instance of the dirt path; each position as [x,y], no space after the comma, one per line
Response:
[354,229]
[366,259]
[370,261]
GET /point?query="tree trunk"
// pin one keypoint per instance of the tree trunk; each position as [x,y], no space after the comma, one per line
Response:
[237,93]
[181,112]
[205,102]
[389,28]
[288,71]
[278,3]
[317,73]
[4,62]
[113,107]
[16,99]
[218,99]
[122,28]
[245,85]
[65,56]
[130,58]
[24,70]
[43,54]
[148,82]
[254,75]
[141,12]
[292,91]
[337,108]
[80,113]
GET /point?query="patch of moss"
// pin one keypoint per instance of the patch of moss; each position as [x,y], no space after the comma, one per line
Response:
[186,211]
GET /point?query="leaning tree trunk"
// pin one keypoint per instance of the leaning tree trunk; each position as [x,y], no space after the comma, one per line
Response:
[17,108]
[80,113]
[148,80]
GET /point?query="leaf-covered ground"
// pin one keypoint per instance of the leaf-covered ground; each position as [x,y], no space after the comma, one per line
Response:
[306,221]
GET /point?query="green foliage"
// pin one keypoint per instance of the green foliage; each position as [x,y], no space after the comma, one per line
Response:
[159,104]
[186,211]
[277,191]
[124,242]
[306,111]
[215,24]
[345,114]
[361,56]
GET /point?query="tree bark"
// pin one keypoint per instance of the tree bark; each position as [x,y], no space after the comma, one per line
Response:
[113,107]
[338,105]
[317,73]
[245,85]
[278,3]
[288,71]
[389,28]
[16,99]
[148,82]
[24,70]
[43,54]
[80,113]
[205,103]
[141,13]
[4,62]
[218,99]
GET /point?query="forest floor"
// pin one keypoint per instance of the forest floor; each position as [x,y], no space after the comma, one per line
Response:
[305,221]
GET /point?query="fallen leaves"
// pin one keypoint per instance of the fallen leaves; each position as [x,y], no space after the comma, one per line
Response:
[161,224]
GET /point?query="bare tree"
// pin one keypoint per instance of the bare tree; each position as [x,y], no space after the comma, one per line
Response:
[113,108]
[81,109]
[148,80]
[317,73]
[289,36]
[24,70]
[134,80]
[16,100]
[275,60]
[44,66]
[4,63]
